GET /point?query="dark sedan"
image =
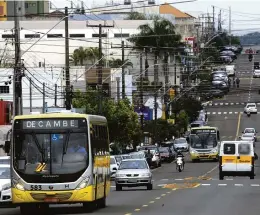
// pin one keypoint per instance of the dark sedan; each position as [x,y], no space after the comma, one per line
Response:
[166,154]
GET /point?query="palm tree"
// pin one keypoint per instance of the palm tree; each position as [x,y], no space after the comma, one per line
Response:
[78,56]
[92,54]
[159,36]
[116,63]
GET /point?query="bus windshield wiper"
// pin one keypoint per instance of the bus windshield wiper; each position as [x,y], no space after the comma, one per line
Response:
[65,145]
[38,146]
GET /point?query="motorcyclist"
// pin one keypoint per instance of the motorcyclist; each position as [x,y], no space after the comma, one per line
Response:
[179,154]
[149,157]
[237,82]
[248,113]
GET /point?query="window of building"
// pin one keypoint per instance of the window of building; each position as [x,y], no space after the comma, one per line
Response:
[26,5]
[32,35]
[7,36]
[4,89]
[97,35]
[54,35]
[121,35]
[77,35]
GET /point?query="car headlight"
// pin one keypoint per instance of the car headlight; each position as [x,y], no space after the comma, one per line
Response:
[193,151]
[120,175]
[6,187]
[146,175]
[83,184]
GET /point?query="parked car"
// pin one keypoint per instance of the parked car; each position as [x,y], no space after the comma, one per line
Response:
[133,173]
[5,185]
[166,154]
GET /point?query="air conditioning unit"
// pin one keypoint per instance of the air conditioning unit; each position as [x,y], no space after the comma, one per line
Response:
[151,2]
[127,2]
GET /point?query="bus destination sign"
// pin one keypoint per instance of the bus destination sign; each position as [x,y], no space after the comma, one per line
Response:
[196,131]
[50,124]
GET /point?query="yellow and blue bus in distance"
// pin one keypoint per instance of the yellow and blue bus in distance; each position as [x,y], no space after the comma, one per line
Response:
[59,158]
[204,143]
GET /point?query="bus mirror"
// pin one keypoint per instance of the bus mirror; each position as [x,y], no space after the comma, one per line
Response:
[7,146]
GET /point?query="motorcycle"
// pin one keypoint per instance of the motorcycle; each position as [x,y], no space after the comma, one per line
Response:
[179,164]
[248,113]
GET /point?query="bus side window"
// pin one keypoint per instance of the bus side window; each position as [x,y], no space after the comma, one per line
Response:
[218,136]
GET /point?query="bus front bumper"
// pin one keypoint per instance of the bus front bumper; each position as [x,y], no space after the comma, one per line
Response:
[57,197]
[201,156]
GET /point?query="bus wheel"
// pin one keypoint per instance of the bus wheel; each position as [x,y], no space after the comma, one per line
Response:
[101,203]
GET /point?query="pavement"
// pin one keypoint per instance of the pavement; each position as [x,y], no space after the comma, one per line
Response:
[197,190]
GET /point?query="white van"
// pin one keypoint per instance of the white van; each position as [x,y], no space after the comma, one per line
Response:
[231,70]
[236,158]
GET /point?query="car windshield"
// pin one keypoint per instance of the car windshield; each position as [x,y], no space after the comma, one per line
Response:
[249,130]
[251,106]
[50,154]
[112,161]
[146,148]
[125,157]
[203,140]
[5,173]
[133,164]
[5,161]
[194,125]
[180,141]
[164,150]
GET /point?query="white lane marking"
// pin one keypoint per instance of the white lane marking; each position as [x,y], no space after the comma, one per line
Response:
[221,103]
[178,179]
[222,184]
[205,184]
[165,179]
[239,185]
[230,112]
[228,103]
[161,185]
[255,185]
[229,179]
[231,103]
[219,112]
[236,112]
[214,113]
[112,186]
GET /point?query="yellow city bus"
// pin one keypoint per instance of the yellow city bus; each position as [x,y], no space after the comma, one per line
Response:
[59,158]
[204,143]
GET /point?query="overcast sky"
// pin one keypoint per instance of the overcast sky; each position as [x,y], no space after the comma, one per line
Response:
[245,14]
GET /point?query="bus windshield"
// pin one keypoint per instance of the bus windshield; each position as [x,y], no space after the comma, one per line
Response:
[203,140]
[49,154]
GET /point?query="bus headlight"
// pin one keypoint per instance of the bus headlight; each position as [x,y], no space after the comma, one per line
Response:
[19,186]
[193,151]
[83,184]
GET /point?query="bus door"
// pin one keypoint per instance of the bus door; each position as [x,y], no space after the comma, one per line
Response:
[245,157]
[229,157]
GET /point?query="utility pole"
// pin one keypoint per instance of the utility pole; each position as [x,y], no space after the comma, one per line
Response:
[30,95]
[43,97]
[213,7]
[67,66]
[123,69]
[100,62]
[175,71]
[55,95]
[229,25]
[17,77]
[118,88]
[141,80]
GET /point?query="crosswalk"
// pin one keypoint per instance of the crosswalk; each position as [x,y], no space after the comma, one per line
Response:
[227,113]
[208,104]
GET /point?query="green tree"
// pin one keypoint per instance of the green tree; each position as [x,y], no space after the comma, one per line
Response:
[136,16]
[78,57]
[159,35]
[124,126]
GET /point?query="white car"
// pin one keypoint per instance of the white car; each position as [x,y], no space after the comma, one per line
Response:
[250,107]
[5,185]
[250,131]
[248,137]
[113,166]
[256,73]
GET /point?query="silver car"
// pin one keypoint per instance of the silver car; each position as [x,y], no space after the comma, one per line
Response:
[181,144]
[248,137]
[133,173]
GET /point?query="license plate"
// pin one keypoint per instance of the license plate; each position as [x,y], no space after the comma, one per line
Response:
[51,199]
[132,180]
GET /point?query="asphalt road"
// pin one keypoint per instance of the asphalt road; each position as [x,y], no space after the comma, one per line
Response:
[196,190]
